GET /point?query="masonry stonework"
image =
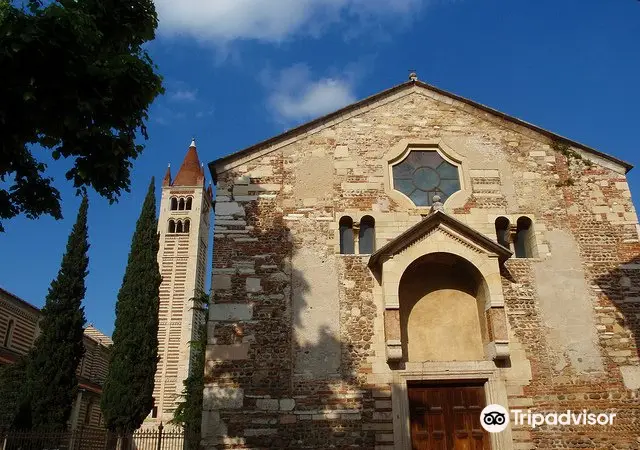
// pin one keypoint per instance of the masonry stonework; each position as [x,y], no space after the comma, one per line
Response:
[299,335]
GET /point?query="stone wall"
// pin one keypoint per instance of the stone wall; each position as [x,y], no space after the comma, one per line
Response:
[296,355]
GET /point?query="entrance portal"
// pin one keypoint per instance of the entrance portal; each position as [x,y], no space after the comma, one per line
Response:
[447,417]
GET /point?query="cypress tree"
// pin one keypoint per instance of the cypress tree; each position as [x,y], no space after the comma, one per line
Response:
[12,392]
[57,351]
[127,396]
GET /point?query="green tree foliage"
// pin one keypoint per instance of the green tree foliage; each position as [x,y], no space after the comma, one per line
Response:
[127,396]
[189,411]
[12,380]
[54,358]
[77,82]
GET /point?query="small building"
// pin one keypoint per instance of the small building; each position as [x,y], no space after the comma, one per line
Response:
[18,331]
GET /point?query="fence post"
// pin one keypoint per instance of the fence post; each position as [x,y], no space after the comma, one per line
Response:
[160,427]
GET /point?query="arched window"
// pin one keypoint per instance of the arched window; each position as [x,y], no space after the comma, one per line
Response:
[502,231]
[187,224]
[179,227]
[347,246]
[524,241]
[172,226]
[87,415]
[188,205]
[174,203]
[367,235]
[9,334]
[181,204]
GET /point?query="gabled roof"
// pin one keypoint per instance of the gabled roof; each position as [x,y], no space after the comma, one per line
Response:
[191,172]
[14,297]
[427,224]
[394,90]
[97,335]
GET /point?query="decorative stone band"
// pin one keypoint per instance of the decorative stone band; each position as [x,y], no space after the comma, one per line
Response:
[496,350]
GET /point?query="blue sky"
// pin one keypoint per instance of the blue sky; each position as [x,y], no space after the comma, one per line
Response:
[240,71]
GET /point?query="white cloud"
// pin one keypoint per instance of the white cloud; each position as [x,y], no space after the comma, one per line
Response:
[224,21]
[184,95]
[204,113]
[296,96]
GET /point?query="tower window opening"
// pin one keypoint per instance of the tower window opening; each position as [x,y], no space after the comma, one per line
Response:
[188,203]
[174,203]
[181,204]
[172,226]
[179,228]
[9,333]
[187,224]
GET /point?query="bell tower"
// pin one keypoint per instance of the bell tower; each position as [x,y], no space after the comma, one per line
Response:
[183,226]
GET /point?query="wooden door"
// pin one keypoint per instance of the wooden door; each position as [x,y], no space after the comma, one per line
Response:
[447,418]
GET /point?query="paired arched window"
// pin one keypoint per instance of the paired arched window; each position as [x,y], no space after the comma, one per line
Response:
[8,334]
[520,239]
[347,246]
[367,236]
[365,232]
[181,204]
[179,226]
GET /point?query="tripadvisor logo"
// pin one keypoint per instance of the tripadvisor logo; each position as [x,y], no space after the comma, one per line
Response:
[495,418]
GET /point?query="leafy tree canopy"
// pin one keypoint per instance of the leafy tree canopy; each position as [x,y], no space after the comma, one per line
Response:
[77,82]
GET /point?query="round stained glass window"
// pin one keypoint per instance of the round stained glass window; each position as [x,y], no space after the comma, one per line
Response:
[424,174]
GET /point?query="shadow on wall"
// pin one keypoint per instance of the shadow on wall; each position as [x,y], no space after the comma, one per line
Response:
[620,287]
[302,384]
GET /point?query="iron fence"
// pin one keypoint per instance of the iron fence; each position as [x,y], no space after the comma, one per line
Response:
[99,439]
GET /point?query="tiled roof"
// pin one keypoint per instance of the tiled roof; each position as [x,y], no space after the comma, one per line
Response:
[98,335]
[191,172]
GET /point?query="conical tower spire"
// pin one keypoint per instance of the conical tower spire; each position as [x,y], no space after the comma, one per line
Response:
[166,181]
[190,173]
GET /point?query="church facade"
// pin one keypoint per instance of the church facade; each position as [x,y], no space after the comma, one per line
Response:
[383,273]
